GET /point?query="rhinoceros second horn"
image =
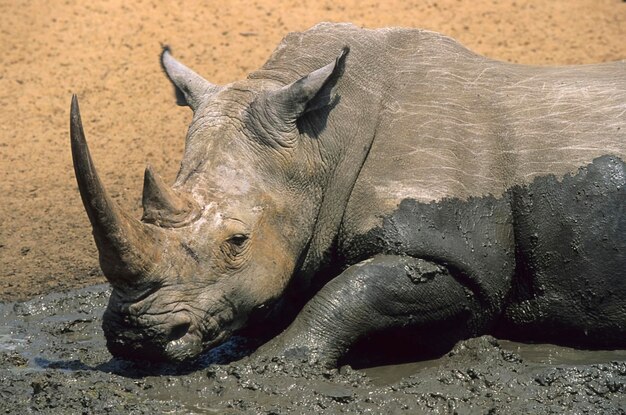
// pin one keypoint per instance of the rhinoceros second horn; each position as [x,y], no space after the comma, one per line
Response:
[162,205]
[128,248]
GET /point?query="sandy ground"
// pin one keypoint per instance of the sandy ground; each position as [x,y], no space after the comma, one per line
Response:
[107,53]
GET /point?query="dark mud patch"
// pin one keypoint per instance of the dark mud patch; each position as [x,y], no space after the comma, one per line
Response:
[53,360]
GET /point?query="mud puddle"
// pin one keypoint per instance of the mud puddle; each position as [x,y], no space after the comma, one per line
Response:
[541,354]
[53,359]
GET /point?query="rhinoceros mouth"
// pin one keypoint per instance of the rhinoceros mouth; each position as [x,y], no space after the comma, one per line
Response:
[185,343]
[190,346]
[184,348]
[135,346]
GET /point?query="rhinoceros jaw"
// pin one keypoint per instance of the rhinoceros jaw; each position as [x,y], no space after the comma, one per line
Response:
[128,248]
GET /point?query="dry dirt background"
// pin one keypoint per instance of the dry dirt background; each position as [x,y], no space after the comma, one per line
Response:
[107,53]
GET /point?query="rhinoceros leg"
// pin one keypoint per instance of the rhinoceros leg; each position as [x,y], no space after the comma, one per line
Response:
[381,293]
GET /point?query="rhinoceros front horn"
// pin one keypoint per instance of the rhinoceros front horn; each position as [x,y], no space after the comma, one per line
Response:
[128,248]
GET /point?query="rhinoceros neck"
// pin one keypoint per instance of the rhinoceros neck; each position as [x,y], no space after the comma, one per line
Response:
[340,180]
[337,138]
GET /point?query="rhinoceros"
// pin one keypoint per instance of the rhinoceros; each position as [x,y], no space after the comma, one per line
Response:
[365,182]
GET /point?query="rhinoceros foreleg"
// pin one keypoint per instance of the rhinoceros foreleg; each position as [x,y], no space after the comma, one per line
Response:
[384,292]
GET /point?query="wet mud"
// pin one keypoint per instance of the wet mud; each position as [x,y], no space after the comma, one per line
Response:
[53,359]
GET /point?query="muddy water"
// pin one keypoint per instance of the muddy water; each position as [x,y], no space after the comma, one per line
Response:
[542,354]
[53,360]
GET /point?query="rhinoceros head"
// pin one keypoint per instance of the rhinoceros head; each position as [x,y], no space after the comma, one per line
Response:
[224,240]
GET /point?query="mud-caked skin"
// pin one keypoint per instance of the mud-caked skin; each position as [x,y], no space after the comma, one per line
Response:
[375,180]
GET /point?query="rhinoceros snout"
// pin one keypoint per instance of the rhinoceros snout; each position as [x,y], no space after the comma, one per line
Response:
[173,340]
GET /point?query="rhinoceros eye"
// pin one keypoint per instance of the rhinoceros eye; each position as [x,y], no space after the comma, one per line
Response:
[238,240]
[234,248]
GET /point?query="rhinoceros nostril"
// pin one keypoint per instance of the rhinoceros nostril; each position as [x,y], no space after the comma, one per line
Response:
[179,331]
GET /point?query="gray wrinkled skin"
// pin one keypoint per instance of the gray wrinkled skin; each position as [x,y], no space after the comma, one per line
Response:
[300,175]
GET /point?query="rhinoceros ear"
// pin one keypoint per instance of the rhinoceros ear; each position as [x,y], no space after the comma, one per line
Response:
[311,92]
[191,89]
